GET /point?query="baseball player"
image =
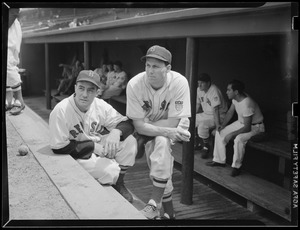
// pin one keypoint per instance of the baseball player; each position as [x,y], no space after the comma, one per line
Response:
[214,108]
[158,102]
[94,133]
[13,79]
[249,123]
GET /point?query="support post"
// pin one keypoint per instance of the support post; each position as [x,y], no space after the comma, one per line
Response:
[48,88]
[86,51]
[188,147]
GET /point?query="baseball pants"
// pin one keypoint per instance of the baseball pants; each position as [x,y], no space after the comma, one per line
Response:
[240,142]
[205,123]
[160,161]
[106,170]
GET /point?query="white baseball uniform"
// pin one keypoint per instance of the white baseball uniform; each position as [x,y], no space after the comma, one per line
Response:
[245,108]
[205,120]
[13,50]
[170,101]
[68,124]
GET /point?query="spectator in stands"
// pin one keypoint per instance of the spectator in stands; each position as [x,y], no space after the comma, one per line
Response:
[119,85]
[13,78]
[158,102]
[213,110]
[94,134]
[74,23]
[249,123]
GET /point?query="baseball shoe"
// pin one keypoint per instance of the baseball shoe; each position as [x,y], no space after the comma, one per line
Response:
[151,210]
[213,164]
[205,152]
[16,110]
[235,172]
[123,191]
[167,217]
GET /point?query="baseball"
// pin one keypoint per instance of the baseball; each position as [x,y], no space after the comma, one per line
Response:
[23,150]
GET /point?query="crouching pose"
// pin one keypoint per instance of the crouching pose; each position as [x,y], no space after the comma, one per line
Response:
[94,133]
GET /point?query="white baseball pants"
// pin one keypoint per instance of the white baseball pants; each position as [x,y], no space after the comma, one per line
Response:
[160,161]
[107,171]
[240,142]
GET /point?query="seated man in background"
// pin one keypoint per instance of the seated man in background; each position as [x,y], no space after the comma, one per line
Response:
[94,134]
[249,123]
[119,85]
[214,108]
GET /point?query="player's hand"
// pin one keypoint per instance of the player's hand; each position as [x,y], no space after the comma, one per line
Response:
[179,134]
[112,143]
[184,135]
[99,150]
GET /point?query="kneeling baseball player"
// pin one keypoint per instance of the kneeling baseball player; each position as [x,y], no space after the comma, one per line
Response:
[94,133]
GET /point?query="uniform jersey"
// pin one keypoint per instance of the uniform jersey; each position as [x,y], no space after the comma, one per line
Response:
[212,98]
[170,101]
[68,123]
[246,108]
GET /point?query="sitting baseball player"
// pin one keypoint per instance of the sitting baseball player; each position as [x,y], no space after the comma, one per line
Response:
[158,102]
[94,133]
[249,123]
[214,108]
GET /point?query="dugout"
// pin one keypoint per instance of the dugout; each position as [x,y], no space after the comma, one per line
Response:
[254,44]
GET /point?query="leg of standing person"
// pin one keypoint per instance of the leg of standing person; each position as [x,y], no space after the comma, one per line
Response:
[9,98]
[17,92]
[160,162]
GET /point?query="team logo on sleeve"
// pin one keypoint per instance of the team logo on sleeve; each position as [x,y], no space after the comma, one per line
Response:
[178,105]
[216,98]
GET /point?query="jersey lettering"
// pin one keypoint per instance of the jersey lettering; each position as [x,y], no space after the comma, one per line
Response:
[208,102]
[163,105]
[146,107]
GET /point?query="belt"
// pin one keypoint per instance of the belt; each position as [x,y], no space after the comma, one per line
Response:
[259,123]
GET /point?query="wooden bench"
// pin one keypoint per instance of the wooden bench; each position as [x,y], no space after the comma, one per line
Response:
[276,141]
[258,193]
[86,197]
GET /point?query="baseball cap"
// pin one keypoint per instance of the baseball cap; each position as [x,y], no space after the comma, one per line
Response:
[160,53]
[90,76]
[204,77]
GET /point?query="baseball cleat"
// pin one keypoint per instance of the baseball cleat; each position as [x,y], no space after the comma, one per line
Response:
[151,210]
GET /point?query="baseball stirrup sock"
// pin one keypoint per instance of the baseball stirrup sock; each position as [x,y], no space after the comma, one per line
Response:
[167,197]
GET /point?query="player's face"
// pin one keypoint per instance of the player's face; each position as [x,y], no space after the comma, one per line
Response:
[203,86]
[230,93]
[85,93]
[156,72]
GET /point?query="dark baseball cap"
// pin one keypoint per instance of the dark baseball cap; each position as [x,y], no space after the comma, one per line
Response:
[158,52]
[204,77]
[90,76]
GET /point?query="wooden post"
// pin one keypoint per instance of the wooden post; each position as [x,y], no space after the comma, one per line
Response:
[86,51]
[48,88]
[188,147]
